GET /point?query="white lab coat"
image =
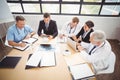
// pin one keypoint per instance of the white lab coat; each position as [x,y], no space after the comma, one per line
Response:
[74,31]
[99,57]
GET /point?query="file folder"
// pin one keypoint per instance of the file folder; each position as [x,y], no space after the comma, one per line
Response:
[9,62]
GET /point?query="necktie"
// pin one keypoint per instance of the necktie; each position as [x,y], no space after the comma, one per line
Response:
[70,30]
[46,25]
[92,50]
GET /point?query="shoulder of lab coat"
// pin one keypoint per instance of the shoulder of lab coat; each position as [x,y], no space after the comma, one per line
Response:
[64,28]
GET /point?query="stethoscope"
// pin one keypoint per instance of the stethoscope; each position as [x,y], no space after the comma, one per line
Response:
[98,48]
[19,32]
[71,28]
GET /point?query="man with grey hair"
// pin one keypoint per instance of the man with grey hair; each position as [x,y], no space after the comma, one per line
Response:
[97,52]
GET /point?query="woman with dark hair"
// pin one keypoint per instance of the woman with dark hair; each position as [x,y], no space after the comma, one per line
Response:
[84,33]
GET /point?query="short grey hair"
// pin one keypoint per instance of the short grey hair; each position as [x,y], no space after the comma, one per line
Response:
[99,36]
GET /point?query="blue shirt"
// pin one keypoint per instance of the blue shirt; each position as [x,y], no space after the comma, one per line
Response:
[15,34]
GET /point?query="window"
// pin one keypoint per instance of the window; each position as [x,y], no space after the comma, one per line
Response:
[92,0]
[50,0]
[71,0]
[110,10]
[70,9]
[30,0]
[90,9]
[112,1]
[31,8]
[66,7]
[15,7]
[51,8]
[12,0]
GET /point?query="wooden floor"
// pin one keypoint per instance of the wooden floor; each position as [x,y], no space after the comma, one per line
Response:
[116,75]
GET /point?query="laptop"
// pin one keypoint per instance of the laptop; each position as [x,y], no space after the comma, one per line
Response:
[72,44]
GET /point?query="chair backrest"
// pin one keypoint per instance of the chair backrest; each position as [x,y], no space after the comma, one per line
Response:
[6,42]
[110,69]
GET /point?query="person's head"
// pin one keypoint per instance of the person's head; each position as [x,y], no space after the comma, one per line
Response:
[88,25]
[46,17]
[97,37]
[74,22]
[20,21]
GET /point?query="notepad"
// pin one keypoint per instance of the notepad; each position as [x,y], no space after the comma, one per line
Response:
[9,62]
[42,58]
[81,71]
[30,40]
[21,48]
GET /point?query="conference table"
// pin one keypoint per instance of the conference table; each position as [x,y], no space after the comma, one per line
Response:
[58,72]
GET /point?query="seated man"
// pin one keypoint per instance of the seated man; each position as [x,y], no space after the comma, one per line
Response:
[97,52]
[84,34]
[18,32]
[48,26]
[70,28]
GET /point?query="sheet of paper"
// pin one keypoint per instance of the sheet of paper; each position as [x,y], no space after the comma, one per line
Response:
[34,59]
[30,40]
[48,59]
[74,59]
[81,71]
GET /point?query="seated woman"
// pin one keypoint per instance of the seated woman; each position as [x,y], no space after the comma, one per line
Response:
[84,33]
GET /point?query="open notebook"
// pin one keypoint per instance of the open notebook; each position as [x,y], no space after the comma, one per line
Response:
[27,41]
[41,59]
[81,71]
[21,48]
[30,40]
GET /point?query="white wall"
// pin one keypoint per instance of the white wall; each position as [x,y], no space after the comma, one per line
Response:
[111,25]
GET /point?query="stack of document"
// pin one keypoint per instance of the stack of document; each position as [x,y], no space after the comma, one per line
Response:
[42,58]
[81,71]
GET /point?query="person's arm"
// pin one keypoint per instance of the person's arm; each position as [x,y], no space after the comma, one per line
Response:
[29,35]
[77,30]
[12,43]
[80,32]
[77,37]
[39,28]
[30,32]
[10,39]
[64,29]
[55,30]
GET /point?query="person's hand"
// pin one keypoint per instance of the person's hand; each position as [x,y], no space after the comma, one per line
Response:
[44,35]
[28,36]
[80,48]
[79,39]
[74,38]
[50,37]
[62,36]
[77,44]
[22,44]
